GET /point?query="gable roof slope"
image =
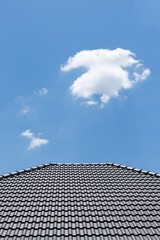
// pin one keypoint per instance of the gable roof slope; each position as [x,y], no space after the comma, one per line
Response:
[80,202]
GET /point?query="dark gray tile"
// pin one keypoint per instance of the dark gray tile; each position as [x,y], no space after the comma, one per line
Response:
[80,201]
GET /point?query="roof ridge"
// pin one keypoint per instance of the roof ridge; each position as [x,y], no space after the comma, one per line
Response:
[135,169]
[42,166]
[48,164]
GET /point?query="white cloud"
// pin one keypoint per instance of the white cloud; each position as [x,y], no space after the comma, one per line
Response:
[27,134]
[104,98]
[107,73]
[25,110]
[41,92]
[91,103]
[142,76]
[34,141]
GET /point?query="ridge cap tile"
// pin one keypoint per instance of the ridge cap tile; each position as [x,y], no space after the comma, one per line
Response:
[137,170]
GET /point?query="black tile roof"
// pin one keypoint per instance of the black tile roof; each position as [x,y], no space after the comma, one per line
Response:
[80,202]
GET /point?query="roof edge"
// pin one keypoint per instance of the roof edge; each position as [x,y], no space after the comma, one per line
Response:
[135,169]
[48,164]
[26,170]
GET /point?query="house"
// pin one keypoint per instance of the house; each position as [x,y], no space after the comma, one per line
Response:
[80,202]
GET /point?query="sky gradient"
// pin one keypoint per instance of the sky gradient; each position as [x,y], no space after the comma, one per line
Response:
[40,119]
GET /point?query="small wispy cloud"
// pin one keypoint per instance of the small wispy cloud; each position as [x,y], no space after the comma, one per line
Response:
[91,103]
[35,142]
[141,76]
[25,110]
[42,91]
[107,73]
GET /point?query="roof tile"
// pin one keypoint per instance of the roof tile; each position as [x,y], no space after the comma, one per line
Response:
[80,201]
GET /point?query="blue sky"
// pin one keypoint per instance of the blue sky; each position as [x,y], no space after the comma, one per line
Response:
[36,40]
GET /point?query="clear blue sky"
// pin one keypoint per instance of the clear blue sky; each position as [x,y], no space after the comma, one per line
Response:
[36,39]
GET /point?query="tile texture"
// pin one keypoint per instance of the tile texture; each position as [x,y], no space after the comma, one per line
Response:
[80,201]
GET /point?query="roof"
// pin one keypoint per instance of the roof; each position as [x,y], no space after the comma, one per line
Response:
[80,202]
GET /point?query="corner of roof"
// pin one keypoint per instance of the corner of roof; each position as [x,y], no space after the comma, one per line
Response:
[26,170]
[134,169]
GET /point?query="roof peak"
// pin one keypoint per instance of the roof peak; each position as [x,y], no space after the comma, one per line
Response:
[111,164]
